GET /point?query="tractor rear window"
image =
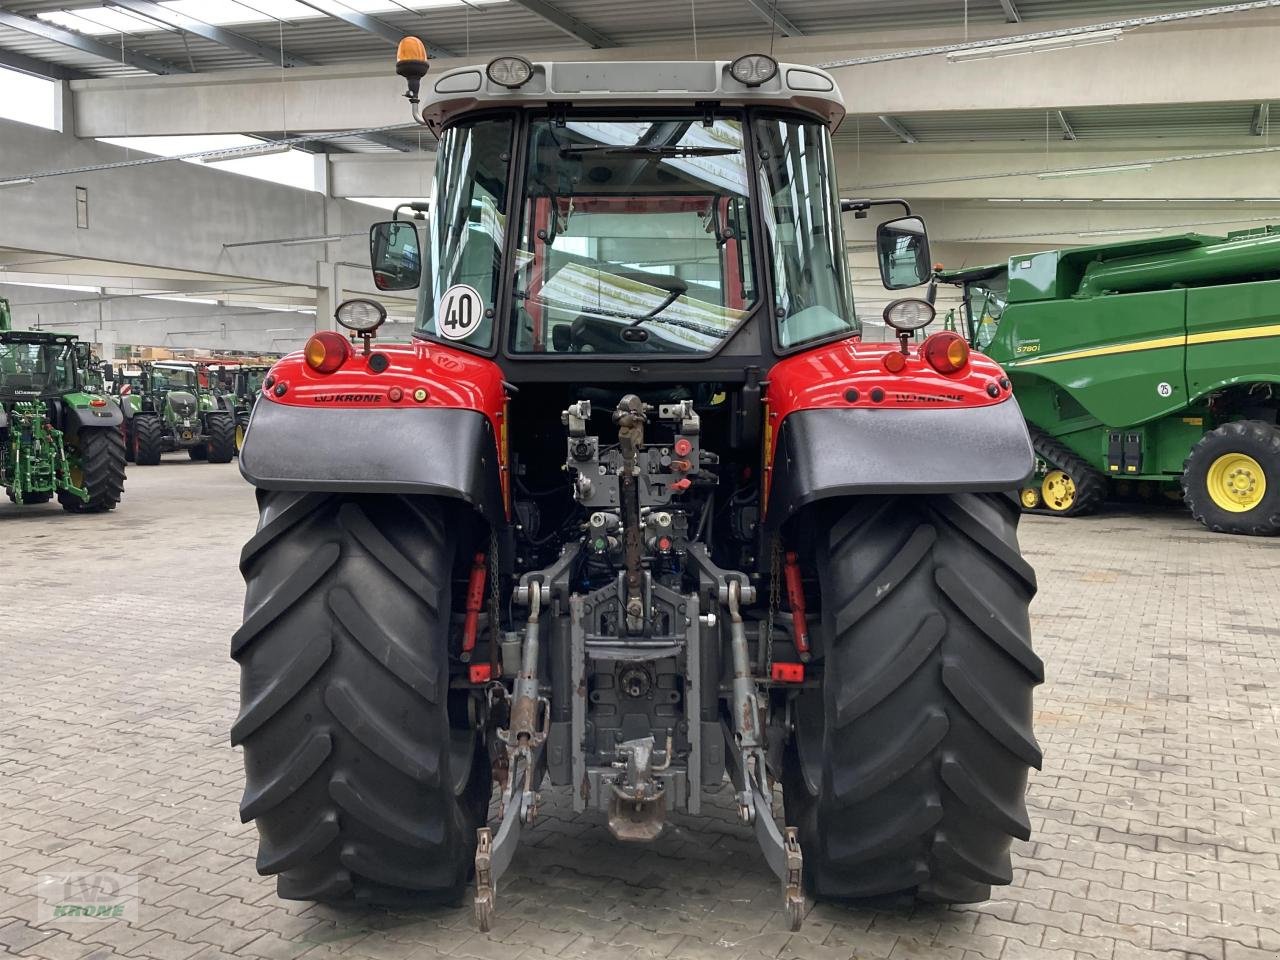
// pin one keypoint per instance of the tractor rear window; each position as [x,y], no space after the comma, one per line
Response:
[30,370]
[634,237]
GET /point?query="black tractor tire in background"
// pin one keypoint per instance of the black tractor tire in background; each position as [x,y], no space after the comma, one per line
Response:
[367,784]
[907,774]
[1090,486]
[221,447]
[148,439]
[31,499]
[100,471]
[1256,439]
[242,426]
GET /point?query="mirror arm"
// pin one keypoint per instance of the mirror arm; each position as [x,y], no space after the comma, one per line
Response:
[861,207]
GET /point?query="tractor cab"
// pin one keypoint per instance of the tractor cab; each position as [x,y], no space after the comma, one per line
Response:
[635,213]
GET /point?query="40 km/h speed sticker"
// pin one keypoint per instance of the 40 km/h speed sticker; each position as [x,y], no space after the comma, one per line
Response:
[460,313]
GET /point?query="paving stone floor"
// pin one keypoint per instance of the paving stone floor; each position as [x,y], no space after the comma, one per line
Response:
[1157,814]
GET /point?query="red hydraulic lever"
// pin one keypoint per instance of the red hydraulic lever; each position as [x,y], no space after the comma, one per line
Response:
[795,596]
[475,600]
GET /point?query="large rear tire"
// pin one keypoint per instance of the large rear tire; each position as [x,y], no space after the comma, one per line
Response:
[362,788]
[222,437]
[148,439]
[100,470]
[907,773]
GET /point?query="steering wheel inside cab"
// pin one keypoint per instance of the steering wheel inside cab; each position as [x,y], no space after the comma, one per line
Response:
[590,333]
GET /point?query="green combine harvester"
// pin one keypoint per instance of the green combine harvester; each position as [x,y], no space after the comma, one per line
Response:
[166,409]
[1147,365]
[59,436]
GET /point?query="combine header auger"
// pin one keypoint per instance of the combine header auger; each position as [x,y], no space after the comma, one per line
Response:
[1146,363]
[59,437]
[636,509]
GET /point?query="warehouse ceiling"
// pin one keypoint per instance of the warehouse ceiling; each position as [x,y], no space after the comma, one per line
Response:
[145,37]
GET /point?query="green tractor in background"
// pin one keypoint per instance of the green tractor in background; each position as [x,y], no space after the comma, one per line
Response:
[240,385]
[166,409]
[1144,366]
[59,436]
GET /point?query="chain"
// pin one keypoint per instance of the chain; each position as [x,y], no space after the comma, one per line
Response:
[775,577]
[494,605]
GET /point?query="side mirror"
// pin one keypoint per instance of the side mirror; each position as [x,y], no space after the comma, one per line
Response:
[394,255]
[903,249]
[108,371]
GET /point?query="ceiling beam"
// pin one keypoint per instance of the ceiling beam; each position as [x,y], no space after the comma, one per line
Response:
[570,25]
[769,10]
[1261,119]
[39,68]
[1068,132]
[86,44]
[895,126]
[1011,13]
[362,21]
[226,38]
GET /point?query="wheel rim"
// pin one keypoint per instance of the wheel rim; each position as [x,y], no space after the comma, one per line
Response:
[1030,498]
[239,436]
[1236,482]
[1058,490]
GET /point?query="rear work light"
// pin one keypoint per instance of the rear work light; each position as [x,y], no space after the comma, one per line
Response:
[946,352]
[326,351]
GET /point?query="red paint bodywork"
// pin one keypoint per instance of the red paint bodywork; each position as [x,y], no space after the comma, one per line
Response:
[452,378]
[820,378]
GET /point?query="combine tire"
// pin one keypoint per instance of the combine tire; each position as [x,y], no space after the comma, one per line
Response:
[907,773]
[148,440]
[362,788]
[1070,487]
[100,471]
[1231,480]
[221,447]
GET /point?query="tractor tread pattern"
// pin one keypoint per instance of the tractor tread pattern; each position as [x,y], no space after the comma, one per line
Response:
[345,728]
[1260,440]
[102,464]
[221,444]
[148,439]
[928,680]
[1090,483]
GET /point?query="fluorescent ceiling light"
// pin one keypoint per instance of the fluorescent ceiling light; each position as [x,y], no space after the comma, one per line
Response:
[1095,171]
[177,298]
[1018,48]
[19,182]
[235,153]
[281,329]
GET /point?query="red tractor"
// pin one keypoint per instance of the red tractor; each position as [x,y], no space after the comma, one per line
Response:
[636,510]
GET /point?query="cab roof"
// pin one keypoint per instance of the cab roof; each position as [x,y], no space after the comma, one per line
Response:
[622,84]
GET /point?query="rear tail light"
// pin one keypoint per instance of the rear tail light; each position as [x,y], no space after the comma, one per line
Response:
[946,352]
[894,362]
[326,351]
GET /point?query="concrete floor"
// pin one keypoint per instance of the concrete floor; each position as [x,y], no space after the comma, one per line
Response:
[1157,814]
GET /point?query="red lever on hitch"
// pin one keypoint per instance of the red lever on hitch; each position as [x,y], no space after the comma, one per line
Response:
[475,600]
[795,596]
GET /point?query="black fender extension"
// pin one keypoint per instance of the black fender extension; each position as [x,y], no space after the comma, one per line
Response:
[432,451]
[841,452]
